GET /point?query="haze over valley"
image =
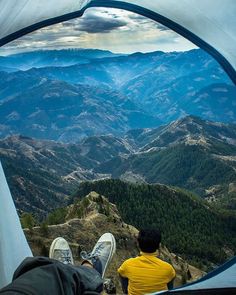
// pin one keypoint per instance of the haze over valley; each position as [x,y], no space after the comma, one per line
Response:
[66,95]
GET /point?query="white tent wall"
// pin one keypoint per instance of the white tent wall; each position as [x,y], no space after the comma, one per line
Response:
[207,23]
[220,281]
[13,245]
[210,24]
[16,15]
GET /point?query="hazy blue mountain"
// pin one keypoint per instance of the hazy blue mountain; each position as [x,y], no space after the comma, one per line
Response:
[67,99]
[53,109]
[215,102]
[111,71]
[174,87]
[141,75]
[46,58]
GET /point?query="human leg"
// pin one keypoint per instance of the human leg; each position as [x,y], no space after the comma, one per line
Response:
[90,279]
[42,276]
[98,259]
[101,254]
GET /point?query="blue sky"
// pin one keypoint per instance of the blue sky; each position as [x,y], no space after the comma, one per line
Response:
[111,29]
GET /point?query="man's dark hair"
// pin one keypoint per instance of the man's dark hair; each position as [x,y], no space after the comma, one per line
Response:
[149,240]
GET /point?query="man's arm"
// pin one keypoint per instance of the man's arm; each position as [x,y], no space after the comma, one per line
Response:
[123,275]
[124,284]
[170,285]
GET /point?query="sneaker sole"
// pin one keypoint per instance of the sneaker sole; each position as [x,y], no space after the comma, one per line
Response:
[112,252]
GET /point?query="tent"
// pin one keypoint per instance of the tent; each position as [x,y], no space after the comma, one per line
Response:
[11,233]
[218,282]
[210,24]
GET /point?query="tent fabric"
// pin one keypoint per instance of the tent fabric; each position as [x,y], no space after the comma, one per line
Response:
[18,15]
[220,281]
[13,245]
[210,24]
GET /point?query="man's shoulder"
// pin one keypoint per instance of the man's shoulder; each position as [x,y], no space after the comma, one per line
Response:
[164,263]
[167,266]
[126,266]
[131,260]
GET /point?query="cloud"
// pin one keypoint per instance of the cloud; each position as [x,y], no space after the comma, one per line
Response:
[111,29]
[92,23]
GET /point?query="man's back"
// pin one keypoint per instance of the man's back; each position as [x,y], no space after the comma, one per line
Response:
[146,274]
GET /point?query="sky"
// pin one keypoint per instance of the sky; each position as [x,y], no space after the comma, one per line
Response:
[111,29]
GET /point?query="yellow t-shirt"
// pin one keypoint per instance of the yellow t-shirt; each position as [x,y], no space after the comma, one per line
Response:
[146,274]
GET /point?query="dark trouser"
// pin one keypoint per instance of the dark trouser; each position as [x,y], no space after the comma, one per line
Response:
[44,276]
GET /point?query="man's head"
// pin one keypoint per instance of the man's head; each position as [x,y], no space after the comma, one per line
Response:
[149,240]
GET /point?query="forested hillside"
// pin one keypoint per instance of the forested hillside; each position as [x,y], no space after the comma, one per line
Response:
[188,166]
[83,222]
[190,153]
[189,226]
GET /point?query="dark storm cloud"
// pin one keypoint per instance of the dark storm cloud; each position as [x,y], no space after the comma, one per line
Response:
[99,24]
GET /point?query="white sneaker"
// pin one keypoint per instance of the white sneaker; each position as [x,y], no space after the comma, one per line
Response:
[102,253]
[60,250]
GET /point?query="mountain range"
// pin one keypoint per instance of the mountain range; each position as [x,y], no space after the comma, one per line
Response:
[190,153]
[66,95]
[55,58]
[42,174]
[154,132]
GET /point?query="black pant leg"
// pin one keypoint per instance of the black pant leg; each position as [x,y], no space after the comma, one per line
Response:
[44,276]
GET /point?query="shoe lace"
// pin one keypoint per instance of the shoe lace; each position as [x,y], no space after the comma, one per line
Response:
[66,256]
[98,250]
[86,256]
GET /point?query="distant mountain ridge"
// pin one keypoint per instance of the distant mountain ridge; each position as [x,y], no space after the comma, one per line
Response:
[53,109]
[53,58]
[70,94]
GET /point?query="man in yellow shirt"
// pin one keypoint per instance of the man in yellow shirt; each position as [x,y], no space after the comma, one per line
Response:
[146,273]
